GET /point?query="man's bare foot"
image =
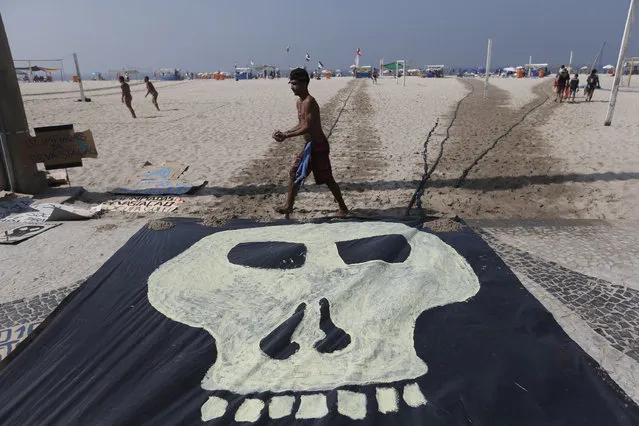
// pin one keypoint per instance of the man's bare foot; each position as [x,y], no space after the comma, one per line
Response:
[285,210]
[342,213]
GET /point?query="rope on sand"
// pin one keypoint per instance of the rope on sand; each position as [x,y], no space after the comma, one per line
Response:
[419,192]
[330,132]
[467,170]
[417,196]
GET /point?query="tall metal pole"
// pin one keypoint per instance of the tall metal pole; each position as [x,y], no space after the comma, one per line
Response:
[30,72]
[530,67]
[620,61]
[77,70]
[570,63]
[404,73]
[14,128]
[488,57]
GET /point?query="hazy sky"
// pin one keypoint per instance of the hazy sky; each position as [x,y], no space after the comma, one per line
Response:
[206,35]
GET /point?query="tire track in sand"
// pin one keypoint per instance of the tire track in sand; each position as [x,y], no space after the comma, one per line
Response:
[261,185]
[498,157]
[358,155]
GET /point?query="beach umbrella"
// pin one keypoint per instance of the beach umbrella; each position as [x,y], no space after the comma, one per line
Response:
[609,67]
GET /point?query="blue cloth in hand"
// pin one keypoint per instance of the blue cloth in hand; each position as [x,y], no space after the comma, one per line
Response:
[303,166]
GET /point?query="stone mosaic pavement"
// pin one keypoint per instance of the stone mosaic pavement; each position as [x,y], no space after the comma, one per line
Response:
[582,271]
[20,317]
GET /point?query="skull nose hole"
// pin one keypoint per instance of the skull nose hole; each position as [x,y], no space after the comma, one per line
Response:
[277,344]
[336,339]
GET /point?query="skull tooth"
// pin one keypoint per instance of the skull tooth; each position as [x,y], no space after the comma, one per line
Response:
[213,408]
[413,395]
[387,400]
[280,406]
[351,404]
[312,407]
[249,411]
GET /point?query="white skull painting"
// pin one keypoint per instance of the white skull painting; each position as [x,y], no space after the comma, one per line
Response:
[312,308]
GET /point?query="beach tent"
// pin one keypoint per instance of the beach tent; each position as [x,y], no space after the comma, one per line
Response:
[243,73]
[170,74]
[36,68]
[435,70]
[364,72]
[263,67]
[393,66]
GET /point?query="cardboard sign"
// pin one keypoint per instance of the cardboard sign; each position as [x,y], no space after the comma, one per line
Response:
[58,146]
[159,187]
[160,180]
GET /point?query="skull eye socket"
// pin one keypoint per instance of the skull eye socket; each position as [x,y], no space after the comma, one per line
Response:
[391,248]
[268,255]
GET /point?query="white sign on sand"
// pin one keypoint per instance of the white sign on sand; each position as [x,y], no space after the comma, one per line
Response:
[163,204]
[24,210]
[24,232]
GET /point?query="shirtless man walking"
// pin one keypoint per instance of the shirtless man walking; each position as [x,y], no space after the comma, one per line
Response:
[154,93]
[310,127]
[126,95]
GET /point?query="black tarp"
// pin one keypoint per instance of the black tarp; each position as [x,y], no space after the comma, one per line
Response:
[107,357]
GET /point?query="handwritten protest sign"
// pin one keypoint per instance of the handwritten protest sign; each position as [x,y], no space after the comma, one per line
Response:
[163,204]
[58,147]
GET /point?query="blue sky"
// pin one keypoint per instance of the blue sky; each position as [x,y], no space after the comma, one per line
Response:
[202,35]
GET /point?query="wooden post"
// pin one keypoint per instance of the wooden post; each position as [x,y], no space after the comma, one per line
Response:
[77,70]
[15,175]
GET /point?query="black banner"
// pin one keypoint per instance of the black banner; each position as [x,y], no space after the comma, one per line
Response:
[340,323]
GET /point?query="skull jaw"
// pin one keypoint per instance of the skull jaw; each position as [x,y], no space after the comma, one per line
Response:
[310,371]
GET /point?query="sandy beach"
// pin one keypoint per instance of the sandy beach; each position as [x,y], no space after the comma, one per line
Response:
[560,161]
[499,161]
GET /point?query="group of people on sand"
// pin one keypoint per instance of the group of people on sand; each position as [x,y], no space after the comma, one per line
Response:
[127,97]
[567,87]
